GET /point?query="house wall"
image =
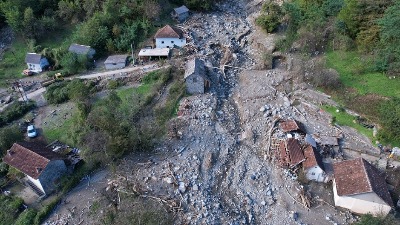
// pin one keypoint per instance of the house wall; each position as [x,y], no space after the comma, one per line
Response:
[316,174]
[34,67]
[54,170]
[167,42]
[361,203]
[194,84]
[91,53]
[112,66]
[36,183]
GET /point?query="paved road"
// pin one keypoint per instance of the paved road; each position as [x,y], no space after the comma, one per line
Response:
[113,73]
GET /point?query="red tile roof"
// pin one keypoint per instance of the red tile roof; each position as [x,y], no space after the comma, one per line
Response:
[169,32]
[358,176]
[30,158]
[290,125]
[295,152]
[313,158]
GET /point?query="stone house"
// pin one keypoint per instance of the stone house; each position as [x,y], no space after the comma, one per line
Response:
[181,13]
[313,166]
[41,166]
[82,50]
[168,37]
[361,188]
[195,77]
[116,62]
[36,62]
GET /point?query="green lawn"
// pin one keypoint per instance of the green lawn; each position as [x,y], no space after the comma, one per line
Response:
[345,119]
[356,72]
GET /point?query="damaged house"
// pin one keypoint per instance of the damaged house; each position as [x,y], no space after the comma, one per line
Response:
[41,165]
[361,188]
[313,165]
[181,13]
[195,77]
[290,153]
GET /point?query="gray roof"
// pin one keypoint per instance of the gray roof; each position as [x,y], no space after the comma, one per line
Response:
[195,66]
[182,9]
[33,58]
[116,59]
[79,49]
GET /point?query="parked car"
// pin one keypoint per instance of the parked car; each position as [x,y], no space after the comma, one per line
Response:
[31,131]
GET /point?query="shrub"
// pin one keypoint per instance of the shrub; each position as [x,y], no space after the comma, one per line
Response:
[269,20]
[9,135]
[27,217]
[15,111]
[368,219]
[10,207]
[390,120]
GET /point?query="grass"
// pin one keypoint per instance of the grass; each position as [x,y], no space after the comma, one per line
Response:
[357,72]
[344,119]
[13,62]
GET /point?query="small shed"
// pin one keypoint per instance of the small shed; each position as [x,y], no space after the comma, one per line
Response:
[195,77]
[313,165]
[147,54]
[36,62]
[40,164]
[82,50]
[181,13]
[361,188]
[116,62]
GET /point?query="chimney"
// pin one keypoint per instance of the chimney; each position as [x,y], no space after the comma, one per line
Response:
[38,170]
[10,152]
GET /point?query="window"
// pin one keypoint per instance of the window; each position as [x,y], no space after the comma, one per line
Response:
[172,42]
[194,79]
[162,42]
[312,173]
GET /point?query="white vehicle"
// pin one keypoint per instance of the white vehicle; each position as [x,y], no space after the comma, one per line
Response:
[31,131]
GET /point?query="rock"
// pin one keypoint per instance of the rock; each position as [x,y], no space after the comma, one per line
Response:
[262,109]
[182,187]
[195,187]
[293,215]
[263,203]
[269,193]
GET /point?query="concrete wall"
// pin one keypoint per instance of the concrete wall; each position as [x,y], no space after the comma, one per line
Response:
[194,84]
[316,174]
[167,42]
[111,66]
[361,203]
[36,183]
[53,171]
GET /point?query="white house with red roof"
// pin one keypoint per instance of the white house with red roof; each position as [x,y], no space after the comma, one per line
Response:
[313,166]
[361,188]
[168,37]
[40,164]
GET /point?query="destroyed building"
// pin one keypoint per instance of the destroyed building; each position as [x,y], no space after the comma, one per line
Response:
[313,166]
[291,153]
[181,13]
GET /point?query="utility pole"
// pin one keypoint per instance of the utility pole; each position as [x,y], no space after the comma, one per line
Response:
[133,59]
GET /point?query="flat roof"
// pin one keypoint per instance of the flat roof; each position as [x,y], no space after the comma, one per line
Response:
[154,52]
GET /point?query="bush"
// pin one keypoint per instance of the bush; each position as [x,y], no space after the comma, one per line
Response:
[27,217]
[68,90]
[390,120]
[269,19]
[9,135]
[368,219]
[44,212]
[10,207]
[15,111]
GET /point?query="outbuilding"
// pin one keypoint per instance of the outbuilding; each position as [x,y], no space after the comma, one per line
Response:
[181,13]
[195,77]
[41,165]
[168,37]
[361,188]
[116,62]
[36,62]
[82,50]
[147,54]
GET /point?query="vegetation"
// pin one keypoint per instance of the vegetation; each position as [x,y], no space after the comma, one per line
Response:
[9,135]
[10,207]
[361,42]
[368,219]
[269,19]
[15,111]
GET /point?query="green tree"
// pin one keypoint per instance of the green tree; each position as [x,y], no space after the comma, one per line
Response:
[351,16]
[368,219]
[29,24]
[389,51]
[270,17]
[8,136]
